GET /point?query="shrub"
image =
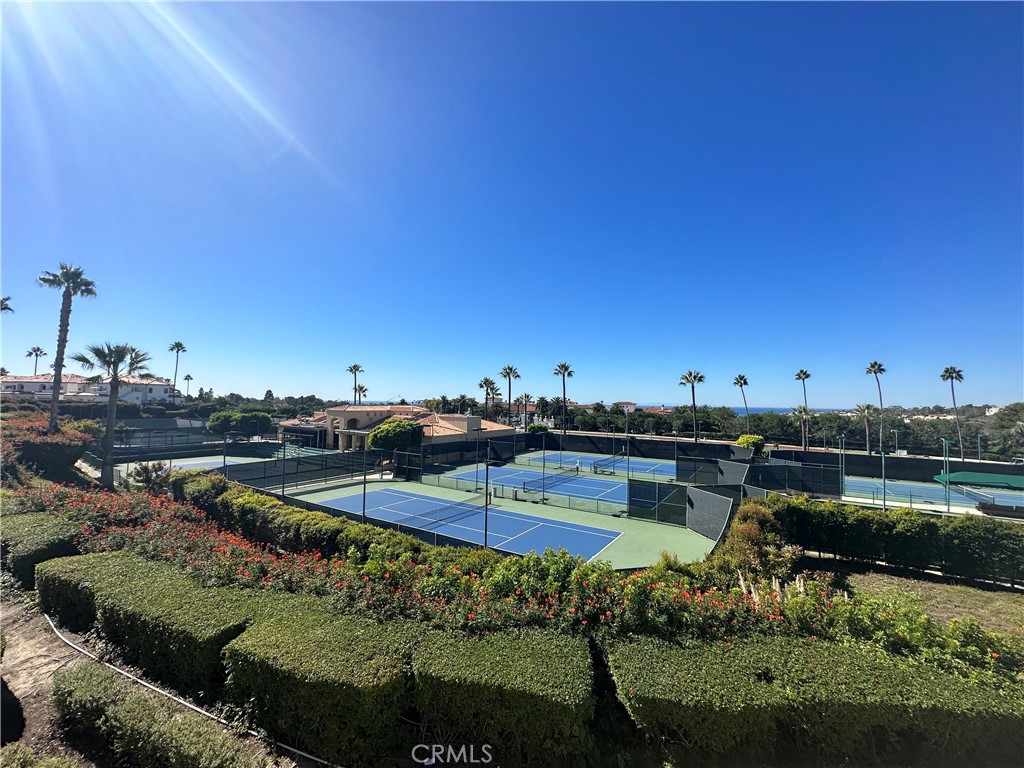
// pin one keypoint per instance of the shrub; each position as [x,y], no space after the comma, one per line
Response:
[754,442]
[28,539]
[179,478]
[95,703]
[396,433]
[19,755]
[152,476]
[528,691]
[332,684]
[536,427]
[203,491]
[826,697]
[161,620]
[30,444]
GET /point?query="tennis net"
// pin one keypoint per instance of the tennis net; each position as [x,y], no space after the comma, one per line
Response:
[605,466]
[974,495]
[451,513]
[550,479]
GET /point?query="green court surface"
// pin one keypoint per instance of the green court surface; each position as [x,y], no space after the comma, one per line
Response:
[639,546]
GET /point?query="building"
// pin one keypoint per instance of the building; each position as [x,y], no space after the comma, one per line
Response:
[76,388]
[41,385]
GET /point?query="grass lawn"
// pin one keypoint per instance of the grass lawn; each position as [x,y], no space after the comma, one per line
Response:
[998,610]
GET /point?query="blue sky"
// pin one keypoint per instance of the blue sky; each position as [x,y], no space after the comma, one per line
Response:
[437,190]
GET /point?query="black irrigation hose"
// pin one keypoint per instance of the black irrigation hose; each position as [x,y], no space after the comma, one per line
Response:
[178,700]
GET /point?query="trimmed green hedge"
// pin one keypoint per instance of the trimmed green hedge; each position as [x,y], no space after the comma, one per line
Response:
[826,697]
[19,755]
[159,618]
[334,685]
[97,704]
[974,546]
[531,690]
[29,539]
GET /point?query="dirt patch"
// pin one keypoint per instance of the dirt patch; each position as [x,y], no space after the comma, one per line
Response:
[32,654]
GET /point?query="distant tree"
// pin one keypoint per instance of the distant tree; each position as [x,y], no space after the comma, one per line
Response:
[508,373]
[188,383]
[692,379]
[802,415]
[355,369]
[461,403]
[599,408]
[177,348]
[117,361]
[543,407]
[396,433]
[360,391]
[537,427]
[71,282]
[754,442]
[741,382]
[4,372]
[36,352]
[952,374]
[877,369]
[490,390]
[268,395]
[864,412]
[566,372]
[802,376]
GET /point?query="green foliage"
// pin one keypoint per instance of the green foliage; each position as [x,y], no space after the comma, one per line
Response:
[177,480]
[95,703]
[824,697]
[92,427]
[536,427]
[154,477]
[754,545]
[161,619]
[331,684]
[528,691]
[248,422]
[396,433]
[970,545]
[754,442]
[26,443]
[28,539]
[203,491]
[20,755]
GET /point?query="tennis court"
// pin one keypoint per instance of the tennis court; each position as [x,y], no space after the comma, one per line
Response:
[507,531]
[929,493]
[564,483]
[598,464]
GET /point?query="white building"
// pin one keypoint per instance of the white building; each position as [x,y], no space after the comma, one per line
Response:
[41,385]
[73,387]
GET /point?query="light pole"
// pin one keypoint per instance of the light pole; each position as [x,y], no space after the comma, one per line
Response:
[979,446]
[945,467]
[476,474]
[842,464]
[627,444]
[675,450]
[896,432]
[487,492]
[884,507]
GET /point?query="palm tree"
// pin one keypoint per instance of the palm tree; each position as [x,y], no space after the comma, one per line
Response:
[865,412]
[71,281]
[692,378]
[802,376]
[5,304]
[116,361]
[565,371]
[508,373]
[36,352]
[355,369]
[741,382]
[4,372]
[802,415]
[177,348]
[543,407]
[490,388]
[876,368]
[188,382]
[461,402]
[360,391]
[524,400]
[952,374]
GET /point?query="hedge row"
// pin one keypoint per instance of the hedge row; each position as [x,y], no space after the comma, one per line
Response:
[825,697]
[19,755]
[330,684]
[969,545]
[160,619]
[532,688]
[98,705]
[28,539]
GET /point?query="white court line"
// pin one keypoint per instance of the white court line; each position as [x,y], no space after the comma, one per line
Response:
[602,549]
[538,525]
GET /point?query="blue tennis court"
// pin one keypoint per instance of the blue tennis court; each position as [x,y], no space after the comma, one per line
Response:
[638,467]
[530,481]
[896,490]
[507,531]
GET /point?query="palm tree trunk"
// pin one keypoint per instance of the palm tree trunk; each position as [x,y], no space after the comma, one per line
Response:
[176,356]
[745,409]
[58,359]
[565,406]
[956,413]
[867,435]
[803,421]
[354,384]
[693,409]
[107,472]
[881,412]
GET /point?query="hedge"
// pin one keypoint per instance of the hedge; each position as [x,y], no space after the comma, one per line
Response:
[160,619]
[28,539]
[531,691]
[331,684]
[19,755]
[826,697]
[94,703]
[973,546]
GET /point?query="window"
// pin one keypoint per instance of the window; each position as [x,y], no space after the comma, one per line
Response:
[151,390]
